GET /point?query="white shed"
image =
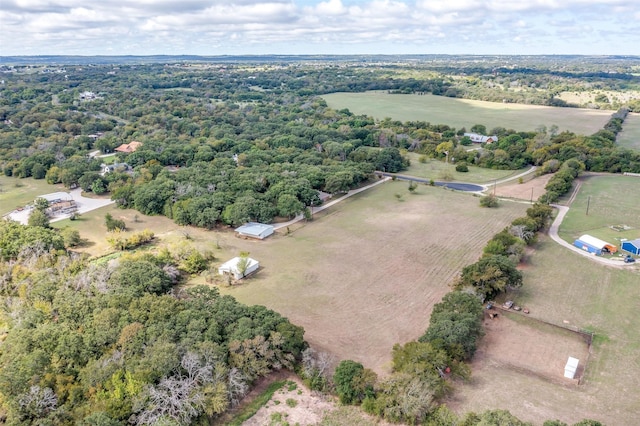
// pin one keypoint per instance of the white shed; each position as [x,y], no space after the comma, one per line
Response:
[235,267]
[571,367]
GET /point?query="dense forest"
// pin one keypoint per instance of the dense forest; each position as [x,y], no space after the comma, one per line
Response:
[227,143]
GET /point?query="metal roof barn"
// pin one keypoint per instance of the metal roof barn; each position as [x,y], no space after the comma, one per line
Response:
[255,230]
[632,246]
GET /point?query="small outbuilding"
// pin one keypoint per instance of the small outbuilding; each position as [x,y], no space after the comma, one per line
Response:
[594,245]
[632,246]
[571,367]
[255,230]
[239,267]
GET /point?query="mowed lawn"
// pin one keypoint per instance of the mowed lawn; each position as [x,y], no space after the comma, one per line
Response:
[366,275]
[563,287]
[612,200]
[460,113]
[437,170]
[629,137]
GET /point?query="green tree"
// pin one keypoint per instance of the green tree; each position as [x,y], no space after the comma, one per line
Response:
[489,201]
[353,382]
[490,276]
[71,237]
[38,218]
[289,205]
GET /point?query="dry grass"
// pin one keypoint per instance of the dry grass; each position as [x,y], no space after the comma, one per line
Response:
[367,275]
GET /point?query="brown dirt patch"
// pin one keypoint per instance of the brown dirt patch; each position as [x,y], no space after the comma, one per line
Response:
[530,346]
[519,349]
[523,191]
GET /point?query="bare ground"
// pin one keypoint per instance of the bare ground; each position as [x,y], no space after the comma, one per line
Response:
[523,191]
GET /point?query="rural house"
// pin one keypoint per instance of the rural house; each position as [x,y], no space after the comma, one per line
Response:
[478,138]
[238,267]
[129,147]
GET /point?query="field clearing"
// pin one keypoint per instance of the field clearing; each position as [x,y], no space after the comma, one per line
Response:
[16,192]
[435,169]
[583,98]
[629,137]
[367,275]
[531,188]
[466,113]
[92,228]
[613,200]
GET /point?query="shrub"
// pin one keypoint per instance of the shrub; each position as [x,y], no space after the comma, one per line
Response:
[489,201]
[462,167]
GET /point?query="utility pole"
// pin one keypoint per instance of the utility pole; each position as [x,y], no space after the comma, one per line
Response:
[532,195]
[588,201]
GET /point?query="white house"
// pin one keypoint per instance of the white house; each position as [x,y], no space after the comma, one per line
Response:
[255,230]
[478,138]
[235,267]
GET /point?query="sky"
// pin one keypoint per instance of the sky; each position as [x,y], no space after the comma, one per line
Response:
[249,27]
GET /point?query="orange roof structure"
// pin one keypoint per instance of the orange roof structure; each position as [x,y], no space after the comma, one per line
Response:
[129,147]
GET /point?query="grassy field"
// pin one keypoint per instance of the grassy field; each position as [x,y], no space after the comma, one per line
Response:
[613,200]
[465,113]
[630,135]
[16,193]
[566,288]
[373,263]
[436,170]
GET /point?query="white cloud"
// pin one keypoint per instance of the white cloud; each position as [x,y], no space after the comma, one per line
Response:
[280,26]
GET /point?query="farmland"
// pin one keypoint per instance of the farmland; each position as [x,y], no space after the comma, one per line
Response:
[568,289]
[373,262]
[466,113]
[630,135]
[565,288]
[613,200]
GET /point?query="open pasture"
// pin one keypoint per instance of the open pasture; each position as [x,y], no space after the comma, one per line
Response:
[629,137]
[460,113]
[562,287]
[437,170]
[612,200]
[531,188]
[367,274]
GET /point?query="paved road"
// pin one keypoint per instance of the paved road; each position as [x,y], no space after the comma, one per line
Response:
[330,203]
[553,233]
